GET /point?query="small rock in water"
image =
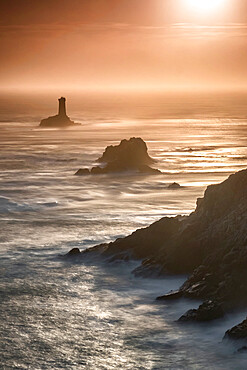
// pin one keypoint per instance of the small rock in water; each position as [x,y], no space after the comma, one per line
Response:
[74,252]
[174,185]
[129,155]
[242,349]
[208,310]
[82,172]
[237,332]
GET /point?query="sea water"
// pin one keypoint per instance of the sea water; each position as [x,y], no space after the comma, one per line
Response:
[58,313]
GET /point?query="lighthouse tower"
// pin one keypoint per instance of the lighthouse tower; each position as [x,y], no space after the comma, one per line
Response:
[59,120]
[62,107]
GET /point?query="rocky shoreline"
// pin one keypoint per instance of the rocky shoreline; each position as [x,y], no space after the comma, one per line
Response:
[210,245]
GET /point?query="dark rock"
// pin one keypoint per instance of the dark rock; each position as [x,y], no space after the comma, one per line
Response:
[96,251]
[174,294]
[129,155]
[143,243]
[148,170]
[190,315]
[210,245]
[208,310]
[237,332]
[97,171]
[132,152]
[56,121]
[74,252]
[174,185]
[59,120]
[119,257]
[148,268]
[242,349]
[82,172]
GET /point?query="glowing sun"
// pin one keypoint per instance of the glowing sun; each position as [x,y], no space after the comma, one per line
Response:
[205,5]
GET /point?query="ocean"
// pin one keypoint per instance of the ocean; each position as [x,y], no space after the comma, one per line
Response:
[56,313]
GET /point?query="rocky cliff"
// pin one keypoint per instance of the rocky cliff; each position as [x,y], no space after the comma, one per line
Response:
[210,244]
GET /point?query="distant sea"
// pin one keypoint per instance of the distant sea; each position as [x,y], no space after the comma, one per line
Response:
[63,314]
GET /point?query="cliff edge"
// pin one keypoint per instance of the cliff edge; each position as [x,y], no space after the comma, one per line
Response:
[210,244]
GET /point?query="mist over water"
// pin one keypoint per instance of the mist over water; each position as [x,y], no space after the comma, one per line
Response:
[63,314]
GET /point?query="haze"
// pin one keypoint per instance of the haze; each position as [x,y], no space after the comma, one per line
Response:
[122,44]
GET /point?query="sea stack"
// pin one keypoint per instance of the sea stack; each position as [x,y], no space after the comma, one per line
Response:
[130,155]
[59,120]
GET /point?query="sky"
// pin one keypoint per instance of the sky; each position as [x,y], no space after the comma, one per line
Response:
[123,44]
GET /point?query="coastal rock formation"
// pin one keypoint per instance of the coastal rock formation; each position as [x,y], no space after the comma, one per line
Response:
[129,152]
[129,155]
[210,244]
[173,294]
[207,311]
[238,332]
[73,252]
[60,120]
[174,186]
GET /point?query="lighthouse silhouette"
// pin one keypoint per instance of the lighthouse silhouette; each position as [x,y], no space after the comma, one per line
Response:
[61,119]
[62,107]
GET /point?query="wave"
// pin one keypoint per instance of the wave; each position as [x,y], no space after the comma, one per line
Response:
[8,206]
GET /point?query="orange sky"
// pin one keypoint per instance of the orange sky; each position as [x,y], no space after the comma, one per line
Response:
[101,44]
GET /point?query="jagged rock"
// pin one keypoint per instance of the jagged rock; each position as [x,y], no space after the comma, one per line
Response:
[148,268]
[82,172]
[237,332]
[56,121]
[174,186]
[129,155]
[173,294]
[74,252]
[129,152]
[146,242]
[210,244]
[59,120]
[242,349]
[97,171]
[207,311]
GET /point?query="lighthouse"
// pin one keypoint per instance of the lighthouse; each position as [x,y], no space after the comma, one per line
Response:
[62,107]
[59,120]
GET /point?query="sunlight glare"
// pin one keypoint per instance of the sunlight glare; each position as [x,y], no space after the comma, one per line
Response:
[205,5]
